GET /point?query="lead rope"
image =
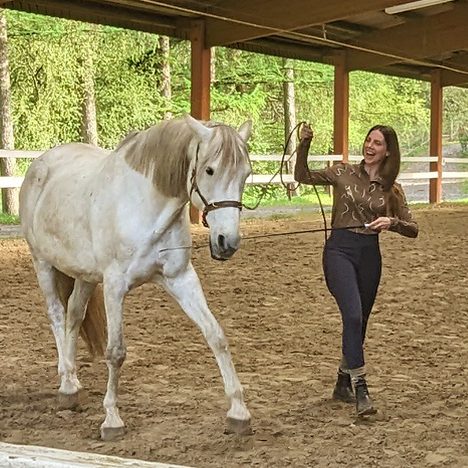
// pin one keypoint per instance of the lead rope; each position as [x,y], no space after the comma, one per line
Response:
[322,211]
[278,172]
[283,163]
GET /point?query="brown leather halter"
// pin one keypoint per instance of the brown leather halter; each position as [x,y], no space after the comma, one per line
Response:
[213,205]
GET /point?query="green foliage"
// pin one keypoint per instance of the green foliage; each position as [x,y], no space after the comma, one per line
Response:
[8,218]
[48,57]
[379,99]
[305,199]
[44,88]
[455,113]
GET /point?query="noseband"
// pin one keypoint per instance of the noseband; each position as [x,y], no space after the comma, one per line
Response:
[207,207]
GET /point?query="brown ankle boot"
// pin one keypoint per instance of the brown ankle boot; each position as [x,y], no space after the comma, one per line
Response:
[364,405]
[343,390]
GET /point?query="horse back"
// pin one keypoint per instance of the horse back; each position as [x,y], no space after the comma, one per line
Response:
[57,166]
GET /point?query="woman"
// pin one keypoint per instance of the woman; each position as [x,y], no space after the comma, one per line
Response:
[366,201]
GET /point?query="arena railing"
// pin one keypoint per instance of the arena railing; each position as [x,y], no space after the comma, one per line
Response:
[409,178]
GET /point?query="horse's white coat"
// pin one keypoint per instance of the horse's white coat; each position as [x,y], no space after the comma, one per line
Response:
[86,213]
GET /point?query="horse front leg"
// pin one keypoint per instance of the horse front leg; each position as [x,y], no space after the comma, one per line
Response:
[114,293]
[187,291]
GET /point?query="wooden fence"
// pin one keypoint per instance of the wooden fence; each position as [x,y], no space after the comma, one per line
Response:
[408,178]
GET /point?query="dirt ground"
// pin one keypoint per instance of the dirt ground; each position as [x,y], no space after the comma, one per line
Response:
[284,332]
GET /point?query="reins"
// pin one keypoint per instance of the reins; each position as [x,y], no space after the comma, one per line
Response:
[273,234]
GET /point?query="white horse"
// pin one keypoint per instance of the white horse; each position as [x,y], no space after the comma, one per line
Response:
[118,218]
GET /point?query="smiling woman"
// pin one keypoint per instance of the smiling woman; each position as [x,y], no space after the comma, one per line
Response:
[366,201]
[375,151]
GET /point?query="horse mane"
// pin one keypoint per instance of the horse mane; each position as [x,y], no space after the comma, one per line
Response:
[161,153]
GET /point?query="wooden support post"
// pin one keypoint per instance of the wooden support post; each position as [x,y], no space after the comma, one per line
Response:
[341,107]
[200,94]
[435,185]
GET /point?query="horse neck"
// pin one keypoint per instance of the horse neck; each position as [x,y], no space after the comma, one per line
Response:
[165,157]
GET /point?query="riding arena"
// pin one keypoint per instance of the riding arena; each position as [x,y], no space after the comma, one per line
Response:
[284,331]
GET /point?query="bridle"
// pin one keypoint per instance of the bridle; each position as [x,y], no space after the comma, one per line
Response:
[207,207]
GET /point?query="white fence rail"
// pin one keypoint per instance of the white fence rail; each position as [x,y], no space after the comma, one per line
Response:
[32,456]
[404,176]
[408,177]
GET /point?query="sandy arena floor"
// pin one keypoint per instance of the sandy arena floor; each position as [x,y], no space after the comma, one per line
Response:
[284,332]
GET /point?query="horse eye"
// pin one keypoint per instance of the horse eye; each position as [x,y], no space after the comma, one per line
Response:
[209,171]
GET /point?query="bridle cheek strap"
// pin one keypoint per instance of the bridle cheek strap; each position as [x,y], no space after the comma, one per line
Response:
[210,206]
[216,205]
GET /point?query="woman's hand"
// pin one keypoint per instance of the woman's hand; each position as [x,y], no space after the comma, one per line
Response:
[380,224]
[306,132]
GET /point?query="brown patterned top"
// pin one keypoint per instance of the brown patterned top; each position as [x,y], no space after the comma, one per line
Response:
[356,198]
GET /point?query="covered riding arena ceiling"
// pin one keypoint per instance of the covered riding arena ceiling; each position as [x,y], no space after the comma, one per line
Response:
[400,38]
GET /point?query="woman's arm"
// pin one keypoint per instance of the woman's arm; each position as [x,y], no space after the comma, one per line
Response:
[404,222]
[302,173]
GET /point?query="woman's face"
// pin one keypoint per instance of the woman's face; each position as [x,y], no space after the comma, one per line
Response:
[375,148]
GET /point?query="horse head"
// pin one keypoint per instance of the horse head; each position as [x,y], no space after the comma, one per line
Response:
[217,172]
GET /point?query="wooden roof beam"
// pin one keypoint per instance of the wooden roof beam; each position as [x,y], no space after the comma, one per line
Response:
[282,49]
[274,15]
[424,38]
[91,12]
[449,78]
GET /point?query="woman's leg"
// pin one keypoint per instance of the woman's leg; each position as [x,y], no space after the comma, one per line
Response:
[342,282]
[368,274]
[344,276]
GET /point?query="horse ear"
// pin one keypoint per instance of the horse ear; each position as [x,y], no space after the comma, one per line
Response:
[203,132]
[245,130]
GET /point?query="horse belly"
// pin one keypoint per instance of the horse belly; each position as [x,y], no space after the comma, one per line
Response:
[56,219]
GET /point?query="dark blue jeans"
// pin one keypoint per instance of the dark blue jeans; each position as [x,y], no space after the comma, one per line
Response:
[352,265]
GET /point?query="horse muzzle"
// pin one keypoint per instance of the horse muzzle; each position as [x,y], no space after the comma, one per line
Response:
[223,249]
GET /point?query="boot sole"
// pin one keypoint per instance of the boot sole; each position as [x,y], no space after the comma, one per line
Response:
[367,412]
[343,399]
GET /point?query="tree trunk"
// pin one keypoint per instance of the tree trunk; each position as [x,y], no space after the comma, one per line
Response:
[166,86]
[89,131]
[289,107]
[213,65]
[7,165]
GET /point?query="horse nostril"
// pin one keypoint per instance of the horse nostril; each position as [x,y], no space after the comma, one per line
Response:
[222,242]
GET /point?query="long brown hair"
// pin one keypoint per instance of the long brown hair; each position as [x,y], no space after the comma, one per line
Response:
[389,168]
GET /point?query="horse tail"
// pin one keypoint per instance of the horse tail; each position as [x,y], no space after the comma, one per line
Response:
[94,326]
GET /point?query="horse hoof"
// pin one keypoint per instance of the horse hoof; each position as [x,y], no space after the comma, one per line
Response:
[238,426]
[68,401]
[112,433]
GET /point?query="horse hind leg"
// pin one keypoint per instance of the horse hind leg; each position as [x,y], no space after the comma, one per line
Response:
[187,290]
[76,309]
[47,279]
